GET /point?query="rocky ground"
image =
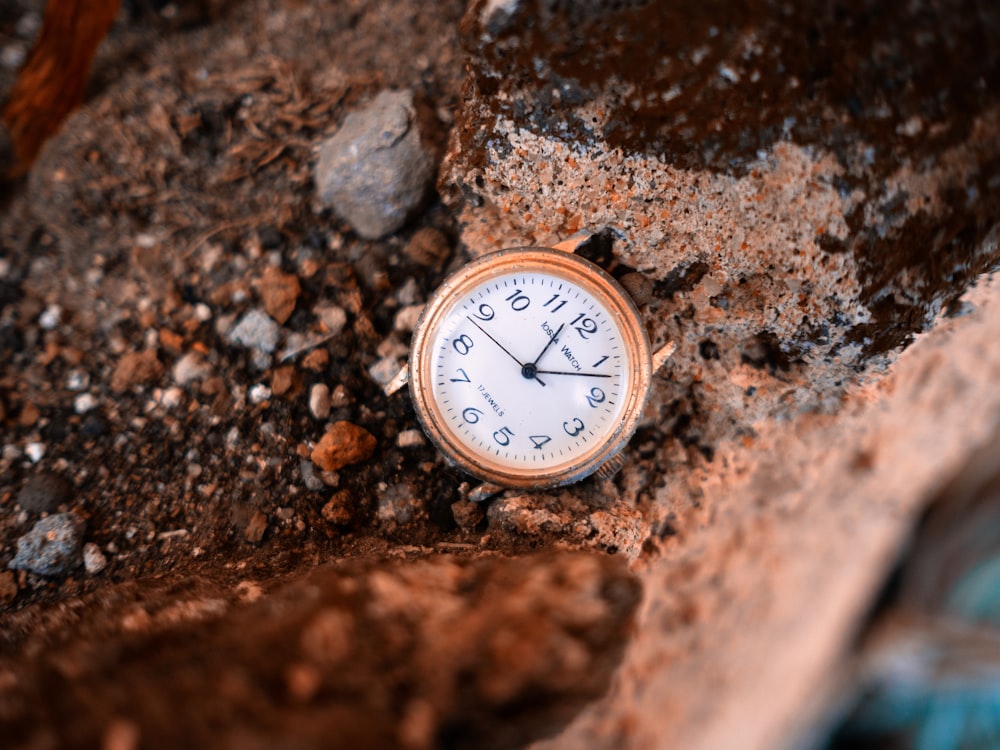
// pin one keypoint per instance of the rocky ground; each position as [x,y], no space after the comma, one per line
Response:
[209,507]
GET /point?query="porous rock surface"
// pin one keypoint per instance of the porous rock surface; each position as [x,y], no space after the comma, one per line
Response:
[806,186]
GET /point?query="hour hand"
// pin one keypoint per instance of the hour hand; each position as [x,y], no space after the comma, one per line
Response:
[578,374]
[527,370]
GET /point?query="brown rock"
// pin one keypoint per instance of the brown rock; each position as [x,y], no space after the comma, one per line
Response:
[136,368]
[467,514]
[279,292]
[344,443]
[316,360]
[428,247]
[255,529]
[338,510]
[284,380]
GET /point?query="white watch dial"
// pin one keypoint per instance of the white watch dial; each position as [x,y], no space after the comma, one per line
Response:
[530,369]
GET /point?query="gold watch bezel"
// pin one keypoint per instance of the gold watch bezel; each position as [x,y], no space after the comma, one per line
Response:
[526,259]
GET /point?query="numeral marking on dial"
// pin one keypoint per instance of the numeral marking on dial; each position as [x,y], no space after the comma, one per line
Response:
[518,300]
[503,436]
[577,427]
[586,326]
[558,306]
[539,440]
[463,344]
[471,414]
[464,379]
[595,397]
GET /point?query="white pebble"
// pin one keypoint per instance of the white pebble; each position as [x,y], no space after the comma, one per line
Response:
[77,380]
[332,316]
[94,560]
[35,452]
[406,319]
[172,397]
[202,312]
[84,402]
[410,439]
[192,366]
[50,318]
[259,393]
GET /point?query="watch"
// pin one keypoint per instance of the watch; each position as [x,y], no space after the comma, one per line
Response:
[530,368]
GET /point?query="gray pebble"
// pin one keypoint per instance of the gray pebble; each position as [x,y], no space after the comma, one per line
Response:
[309,477]
[44,492]
[375,170]
[52,547]
[94,560]
[258,332]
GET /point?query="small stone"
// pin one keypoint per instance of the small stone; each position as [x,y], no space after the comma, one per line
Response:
[468,515]
[171,398]
[279,291]
[283,380]
[340,397]
[51,317]
[428,247]
[34,451]
[399,505]
[319,401]
[94,560]
[8,587]
[309,477]
[316,360]
[333,317]
[189,368]
[384,370]
[343,444]
[375,170]
[44,493]
[259,393]
[406,319]
[84,402]
[410,439]
[255,529]
[256,330]
[136,369]
[52,547]
[339,509]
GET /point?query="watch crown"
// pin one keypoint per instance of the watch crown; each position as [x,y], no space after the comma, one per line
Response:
[610,467]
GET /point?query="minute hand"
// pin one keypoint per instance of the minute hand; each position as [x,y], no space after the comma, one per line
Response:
[578,374]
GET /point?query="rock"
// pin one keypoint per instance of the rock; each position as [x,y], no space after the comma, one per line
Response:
[319,401]
[84,403]
[375,170]
[332,316]
[258,332]
[399,505]
[279,291]
[428,247]
[309,477]
[254,531]
[468,514]
[52,547]
[136,369]
[339,510]
[189,368]
[44,492]
[94,560]
[343,444]
[410,439]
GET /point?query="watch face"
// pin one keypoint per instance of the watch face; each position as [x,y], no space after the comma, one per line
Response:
[530,367]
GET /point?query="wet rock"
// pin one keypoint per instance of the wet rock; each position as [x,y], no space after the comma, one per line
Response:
[136,369]
[44,492]
[343,444]
[375,170]
[52,547]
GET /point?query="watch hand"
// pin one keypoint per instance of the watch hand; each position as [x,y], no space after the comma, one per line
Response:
[550,342]
[527,370]
[578,374]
